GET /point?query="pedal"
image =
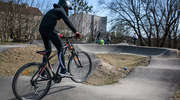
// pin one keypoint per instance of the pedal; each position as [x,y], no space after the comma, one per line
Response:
[57,79]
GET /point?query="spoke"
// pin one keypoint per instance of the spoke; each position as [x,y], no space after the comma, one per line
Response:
[30,84]
[36,92]
[42,80]
[82,66]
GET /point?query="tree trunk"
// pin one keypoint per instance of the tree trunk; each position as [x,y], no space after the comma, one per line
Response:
[157,41]
[169,40]
[149,41]
[175,41]
[165,36]
[141,40]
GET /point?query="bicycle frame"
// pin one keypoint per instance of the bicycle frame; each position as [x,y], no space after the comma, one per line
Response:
[46,63]
[45,72]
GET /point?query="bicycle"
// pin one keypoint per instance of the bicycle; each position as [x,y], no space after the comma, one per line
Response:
[43,73]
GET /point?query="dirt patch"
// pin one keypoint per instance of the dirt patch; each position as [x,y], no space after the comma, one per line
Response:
[177,94]
[12,59]
[115,66]
[112,67]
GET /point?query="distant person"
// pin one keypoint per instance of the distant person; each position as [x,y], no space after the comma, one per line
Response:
[98,36]
[135,39]
[48,33]
[108,40]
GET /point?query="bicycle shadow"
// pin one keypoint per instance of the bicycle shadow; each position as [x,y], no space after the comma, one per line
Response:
[55,89]
[62,88]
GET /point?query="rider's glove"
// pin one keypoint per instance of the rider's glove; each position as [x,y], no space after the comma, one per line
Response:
[60,35]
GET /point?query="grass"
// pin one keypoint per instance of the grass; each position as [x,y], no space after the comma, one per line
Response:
[179,53]
[10,43]
[112,68]
[177,94]
[13,59]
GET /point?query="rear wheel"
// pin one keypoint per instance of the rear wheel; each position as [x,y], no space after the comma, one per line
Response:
[80,66]
[28,84]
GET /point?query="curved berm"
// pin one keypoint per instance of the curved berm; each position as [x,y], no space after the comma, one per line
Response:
[140,50]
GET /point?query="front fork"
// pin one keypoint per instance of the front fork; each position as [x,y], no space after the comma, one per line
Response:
[76,59]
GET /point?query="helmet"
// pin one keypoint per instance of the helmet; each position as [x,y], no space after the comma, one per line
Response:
[65,4]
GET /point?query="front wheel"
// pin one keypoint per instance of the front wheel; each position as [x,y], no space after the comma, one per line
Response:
[30,84]
[79,66]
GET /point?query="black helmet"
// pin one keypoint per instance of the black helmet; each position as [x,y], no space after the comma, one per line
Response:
[63,3]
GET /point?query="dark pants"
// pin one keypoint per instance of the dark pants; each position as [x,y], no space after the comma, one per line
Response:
[135,41]
[49,36]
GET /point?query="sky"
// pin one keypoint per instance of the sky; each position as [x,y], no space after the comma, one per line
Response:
[94,3]
[102,11]
[99,11]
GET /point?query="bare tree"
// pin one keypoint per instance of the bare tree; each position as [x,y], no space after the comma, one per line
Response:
[80,6]
[151,20]
[6,22]
[20,20]
[130,12]
[170,16]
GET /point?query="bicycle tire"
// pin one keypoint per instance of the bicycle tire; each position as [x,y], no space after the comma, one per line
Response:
[17,75]
[70,69]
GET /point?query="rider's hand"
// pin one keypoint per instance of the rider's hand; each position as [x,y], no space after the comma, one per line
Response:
[78,35]
[60,35]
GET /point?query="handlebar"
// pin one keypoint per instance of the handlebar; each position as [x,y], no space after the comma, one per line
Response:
[66,37]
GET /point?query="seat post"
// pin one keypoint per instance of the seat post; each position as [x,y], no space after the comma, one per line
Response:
[45,56]
[44,59]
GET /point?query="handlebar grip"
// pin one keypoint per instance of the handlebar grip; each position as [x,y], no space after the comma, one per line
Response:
[61,35]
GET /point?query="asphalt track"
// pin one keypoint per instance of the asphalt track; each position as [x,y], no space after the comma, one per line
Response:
[158,81]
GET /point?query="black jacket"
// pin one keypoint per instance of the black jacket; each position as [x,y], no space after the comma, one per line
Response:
[49,20]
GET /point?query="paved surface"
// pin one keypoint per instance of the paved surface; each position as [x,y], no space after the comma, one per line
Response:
[147,51]
[155,82]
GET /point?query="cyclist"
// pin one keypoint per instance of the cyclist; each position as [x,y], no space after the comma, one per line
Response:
[48,33]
